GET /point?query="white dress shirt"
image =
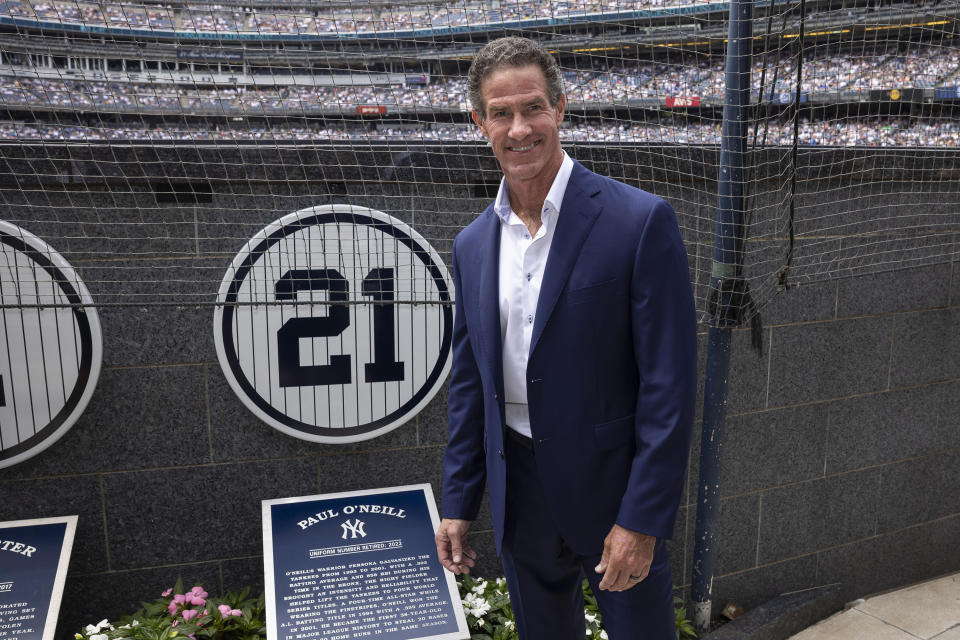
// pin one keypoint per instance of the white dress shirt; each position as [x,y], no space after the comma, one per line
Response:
[522,262]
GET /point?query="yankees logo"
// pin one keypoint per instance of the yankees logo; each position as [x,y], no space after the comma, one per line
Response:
[354,528]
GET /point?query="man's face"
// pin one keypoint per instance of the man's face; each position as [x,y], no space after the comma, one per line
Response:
[521,124]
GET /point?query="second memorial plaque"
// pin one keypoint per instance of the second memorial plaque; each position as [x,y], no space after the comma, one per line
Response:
[358,565]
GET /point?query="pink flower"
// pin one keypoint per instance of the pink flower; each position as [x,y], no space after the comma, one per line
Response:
[199,592]
[189,614]
[166,593]
[173,607]
[226,611]
[179,598]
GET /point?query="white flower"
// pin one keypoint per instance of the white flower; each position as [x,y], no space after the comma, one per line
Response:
[95,628]
[475,606]
[590,617]
[509,624]
[603,635]
[99,636]
[479,622]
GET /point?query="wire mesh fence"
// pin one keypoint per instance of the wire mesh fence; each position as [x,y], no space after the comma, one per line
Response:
[148,143]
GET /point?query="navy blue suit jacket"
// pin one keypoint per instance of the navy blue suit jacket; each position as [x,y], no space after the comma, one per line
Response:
[611,378]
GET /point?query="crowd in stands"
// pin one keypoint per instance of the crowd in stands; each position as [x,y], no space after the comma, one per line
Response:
[910,69]
[79,94]
[875,132]
[361,18]
[603,83]
[358,18]
[918,68]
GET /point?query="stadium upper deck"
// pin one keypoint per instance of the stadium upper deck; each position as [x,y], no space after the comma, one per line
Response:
[447,29]
[373,19]
[96,60]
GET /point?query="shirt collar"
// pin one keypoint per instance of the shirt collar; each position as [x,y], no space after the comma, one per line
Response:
[554,197]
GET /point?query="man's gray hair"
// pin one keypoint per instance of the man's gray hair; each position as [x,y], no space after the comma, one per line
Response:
[511,52]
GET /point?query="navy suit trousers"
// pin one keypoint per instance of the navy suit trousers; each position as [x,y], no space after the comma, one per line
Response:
[544,575]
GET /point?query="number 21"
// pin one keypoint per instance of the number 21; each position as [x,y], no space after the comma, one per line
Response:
[378,285]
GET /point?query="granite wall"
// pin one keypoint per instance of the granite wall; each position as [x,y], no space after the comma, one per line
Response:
[842,439]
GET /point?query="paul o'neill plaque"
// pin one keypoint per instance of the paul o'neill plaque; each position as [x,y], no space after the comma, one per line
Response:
[34,555]
[354,565]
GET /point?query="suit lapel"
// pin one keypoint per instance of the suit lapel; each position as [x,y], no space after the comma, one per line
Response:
[578,212]
[488,301]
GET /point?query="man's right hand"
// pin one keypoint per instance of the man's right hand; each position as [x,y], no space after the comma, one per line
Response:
[455,553]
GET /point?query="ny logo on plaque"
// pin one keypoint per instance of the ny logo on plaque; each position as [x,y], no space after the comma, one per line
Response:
[357,565]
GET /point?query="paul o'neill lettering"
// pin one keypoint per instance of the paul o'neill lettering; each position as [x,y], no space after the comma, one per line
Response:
[17,547]
[350,509]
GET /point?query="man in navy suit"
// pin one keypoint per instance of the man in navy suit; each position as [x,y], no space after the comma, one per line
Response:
[574,370]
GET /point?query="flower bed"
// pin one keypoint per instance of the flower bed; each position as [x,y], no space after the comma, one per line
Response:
[182,614]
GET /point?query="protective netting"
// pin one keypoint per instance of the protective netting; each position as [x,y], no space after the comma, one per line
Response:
[148,142]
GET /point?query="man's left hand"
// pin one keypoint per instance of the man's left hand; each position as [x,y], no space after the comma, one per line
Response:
[626,559]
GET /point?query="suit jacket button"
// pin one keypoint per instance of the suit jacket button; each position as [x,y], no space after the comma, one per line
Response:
[500,452]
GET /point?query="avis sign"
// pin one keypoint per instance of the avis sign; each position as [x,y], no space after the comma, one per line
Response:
[334,323]
[50,345]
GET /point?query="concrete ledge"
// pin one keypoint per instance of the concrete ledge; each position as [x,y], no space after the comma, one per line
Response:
[783,616]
